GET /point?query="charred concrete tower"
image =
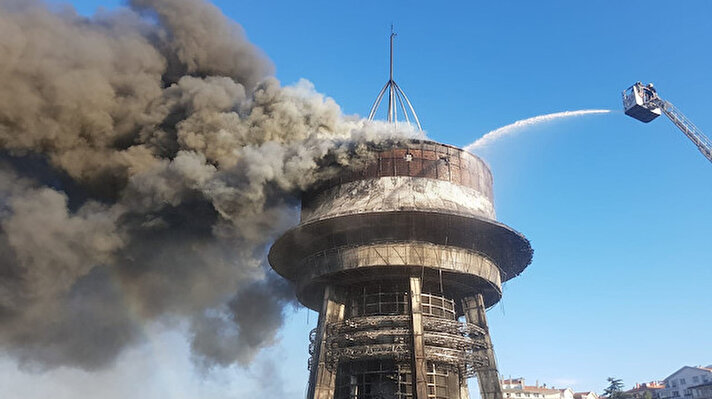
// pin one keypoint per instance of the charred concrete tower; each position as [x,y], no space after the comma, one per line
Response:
[401,257]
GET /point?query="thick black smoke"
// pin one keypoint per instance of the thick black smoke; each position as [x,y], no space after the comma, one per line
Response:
[147,160]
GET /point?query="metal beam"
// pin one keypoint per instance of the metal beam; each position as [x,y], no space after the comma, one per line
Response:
[420,371]
[322,380]
[488,377]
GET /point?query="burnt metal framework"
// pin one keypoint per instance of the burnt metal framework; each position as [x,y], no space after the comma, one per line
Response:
[372,346]
[374,378]
[401,257]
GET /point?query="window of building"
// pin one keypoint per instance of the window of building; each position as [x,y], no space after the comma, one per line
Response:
[373,379]
[695,379]
[705,378]
[379,300]
[438,381]
[674,383]
[682,381]
[436,305]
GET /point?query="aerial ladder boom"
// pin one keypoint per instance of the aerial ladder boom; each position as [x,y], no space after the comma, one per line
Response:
[643,103]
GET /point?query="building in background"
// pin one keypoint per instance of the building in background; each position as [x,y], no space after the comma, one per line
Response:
[586,395]
[702,391]
[680,383]
[647,390]
[513,383]
[515,388]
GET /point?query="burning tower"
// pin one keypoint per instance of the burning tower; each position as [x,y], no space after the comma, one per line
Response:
[394,255]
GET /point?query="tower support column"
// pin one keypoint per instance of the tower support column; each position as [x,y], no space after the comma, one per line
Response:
[322,380]
[488,376]
[464,389]
[420,370]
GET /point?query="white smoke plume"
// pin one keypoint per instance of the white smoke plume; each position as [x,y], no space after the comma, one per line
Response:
[519,125]
[147,161]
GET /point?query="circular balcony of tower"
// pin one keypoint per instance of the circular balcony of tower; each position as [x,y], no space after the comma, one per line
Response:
[406,208]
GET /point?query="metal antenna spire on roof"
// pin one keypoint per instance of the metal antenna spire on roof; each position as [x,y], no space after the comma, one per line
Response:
[391,92]
[396,96]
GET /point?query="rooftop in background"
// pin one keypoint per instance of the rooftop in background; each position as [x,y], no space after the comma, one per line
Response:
[516,388]
[586,395]
[648,385]
[707,369]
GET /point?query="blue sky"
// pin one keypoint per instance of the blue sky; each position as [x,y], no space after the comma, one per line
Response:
[618,211]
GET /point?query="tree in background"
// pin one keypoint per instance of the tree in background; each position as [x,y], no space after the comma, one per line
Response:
[615,389]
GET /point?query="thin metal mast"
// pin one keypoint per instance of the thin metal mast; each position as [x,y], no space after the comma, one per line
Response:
[396,96]
[391,92]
